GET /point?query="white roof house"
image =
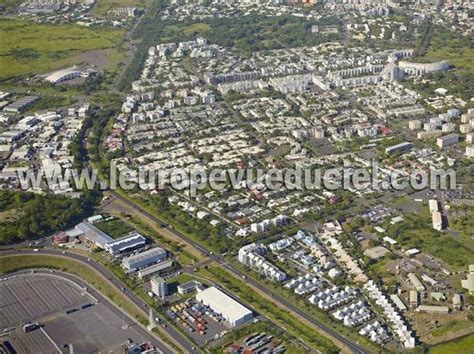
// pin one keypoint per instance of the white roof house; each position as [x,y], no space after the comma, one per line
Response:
[231,310]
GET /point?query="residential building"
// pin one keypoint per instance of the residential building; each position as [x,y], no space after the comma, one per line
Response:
[447,140]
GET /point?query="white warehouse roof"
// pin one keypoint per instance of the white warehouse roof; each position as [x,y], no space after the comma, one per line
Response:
[63,75]
[144,258]
[233,311]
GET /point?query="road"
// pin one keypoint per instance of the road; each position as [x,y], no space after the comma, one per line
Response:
[354,347]
[102,270]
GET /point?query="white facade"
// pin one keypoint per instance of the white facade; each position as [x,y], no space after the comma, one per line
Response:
[159,287]
[144,259]
[437,220]
[231,310]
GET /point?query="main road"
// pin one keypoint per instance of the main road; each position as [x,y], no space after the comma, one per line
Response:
[178,337]
[349,344]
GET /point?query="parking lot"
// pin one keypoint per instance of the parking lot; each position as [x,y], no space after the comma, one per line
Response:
[28,297]
[67,315]
[31,342]
[99,328]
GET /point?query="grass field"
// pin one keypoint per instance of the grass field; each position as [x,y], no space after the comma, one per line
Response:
[28,48]
[115,228]
[447,45]
[197,27]
[458,50]
[464,345]
[416,232]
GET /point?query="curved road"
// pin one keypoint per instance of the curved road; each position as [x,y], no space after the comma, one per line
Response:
[170,331]
[352,346]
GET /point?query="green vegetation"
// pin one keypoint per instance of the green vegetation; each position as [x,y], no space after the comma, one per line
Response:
[199,230]
[41,215]
[197,28]
[24,50]
[252,32]
[439,43]
[452,327]
[283,318]
[462,220]
[416,231]
[459,346]
[102,7]
[115,228]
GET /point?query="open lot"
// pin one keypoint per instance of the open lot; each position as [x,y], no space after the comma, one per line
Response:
[23,50]
[97,328]
[31,342]
[30,297]
[49,299]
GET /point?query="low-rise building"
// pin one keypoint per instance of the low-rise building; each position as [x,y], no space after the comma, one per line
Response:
[437,219]
[416,282]
[188,287]
[144,259]
[433,309]
[231,310]
[398,148]
[126,243]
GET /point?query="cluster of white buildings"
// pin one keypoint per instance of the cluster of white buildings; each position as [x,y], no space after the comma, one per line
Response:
[376,332]
[43,140]
[266,225]
[397,323]
[305,284]
[331,298]
[354,315]
[252,256]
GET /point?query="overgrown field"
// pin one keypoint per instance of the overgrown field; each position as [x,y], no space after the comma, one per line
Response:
[28,48]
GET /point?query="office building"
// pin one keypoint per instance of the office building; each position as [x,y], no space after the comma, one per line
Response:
[159,287]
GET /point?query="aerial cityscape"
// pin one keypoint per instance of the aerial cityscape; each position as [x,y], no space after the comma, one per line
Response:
[245,176]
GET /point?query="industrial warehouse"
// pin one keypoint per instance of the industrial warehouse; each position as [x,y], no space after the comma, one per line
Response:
[144,259]
[231,310]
